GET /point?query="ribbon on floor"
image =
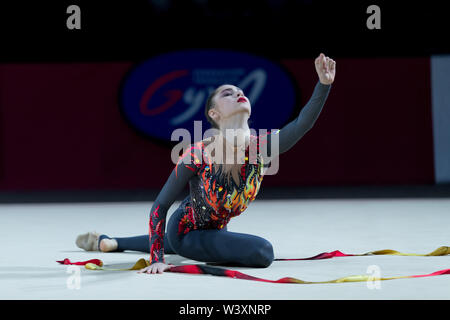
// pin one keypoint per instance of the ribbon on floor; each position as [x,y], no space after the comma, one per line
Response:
[441,251]
[96,264]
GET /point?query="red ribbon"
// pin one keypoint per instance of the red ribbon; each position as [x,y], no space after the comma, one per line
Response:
[97,262]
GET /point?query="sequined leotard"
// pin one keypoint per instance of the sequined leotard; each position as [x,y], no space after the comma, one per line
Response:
[215,198]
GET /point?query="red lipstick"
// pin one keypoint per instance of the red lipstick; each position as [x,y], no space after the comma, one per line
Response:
[242,99]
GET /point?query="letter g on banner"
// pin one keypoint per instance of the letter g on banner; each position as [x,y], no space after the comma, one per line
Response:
[169,91]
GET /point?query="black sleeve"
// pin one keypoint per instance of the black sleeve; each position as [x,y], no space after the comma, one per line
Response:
[186,168]
[296,129]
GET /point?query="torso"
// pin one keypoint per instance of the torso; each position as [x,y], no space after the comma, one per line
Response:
[215,196]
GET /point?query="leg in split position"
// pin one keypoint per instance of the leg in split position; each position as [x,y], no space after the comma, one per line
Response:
[213,246]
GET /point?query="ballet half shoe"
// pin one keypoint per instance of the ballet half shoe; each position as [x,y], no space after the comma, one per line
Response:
[88,241]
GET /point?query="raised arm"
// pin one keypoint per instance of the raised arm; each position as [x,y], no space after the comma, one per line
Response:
[186,167]
[291,133]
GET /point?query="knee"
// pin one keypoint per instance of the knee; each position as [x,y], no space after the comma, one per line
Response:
[263,256]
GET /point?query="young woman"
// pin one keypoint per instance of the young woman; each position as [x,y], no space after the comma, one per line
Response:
[219,190]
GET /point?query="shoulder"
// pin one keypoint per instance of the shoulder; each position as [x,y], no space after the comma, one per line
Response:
[192,156]
[207,141]
[264,137]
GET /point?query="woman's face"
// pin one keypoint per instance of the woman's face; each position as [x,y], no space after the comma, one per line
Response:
[229,100]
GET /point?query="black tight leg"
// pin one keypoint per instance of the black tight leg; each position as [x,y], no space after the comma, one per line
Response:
[213,246]
[220,246]
[137,243]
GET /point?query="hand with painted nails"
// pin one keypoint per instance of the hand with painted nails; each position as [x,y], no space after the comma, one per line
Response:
[326,69]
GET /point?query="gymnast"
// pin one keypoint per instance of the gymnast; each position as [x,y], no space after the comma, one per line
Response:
[197,229]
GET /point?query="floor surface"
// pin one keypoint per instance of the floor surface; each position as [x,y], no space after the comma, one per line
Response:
[34,236]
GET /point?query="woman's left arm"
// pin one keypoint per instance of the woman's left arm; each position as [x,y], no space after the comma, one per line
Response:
[291,133]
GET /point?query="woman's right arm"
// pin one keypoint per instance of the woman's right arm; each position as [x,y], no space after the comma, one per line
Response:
[180,175]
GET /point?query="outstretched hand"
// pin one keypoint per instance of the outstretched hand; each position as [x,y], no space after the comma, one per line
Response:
[326,69]
[157,267]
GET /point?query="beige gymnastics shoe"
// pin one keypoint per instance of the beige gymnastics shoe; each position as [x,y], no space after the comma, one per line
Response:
[88,241]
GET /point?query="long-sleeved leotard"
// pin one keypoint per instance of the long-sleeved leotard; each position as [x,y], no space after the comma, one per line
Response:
[214,198]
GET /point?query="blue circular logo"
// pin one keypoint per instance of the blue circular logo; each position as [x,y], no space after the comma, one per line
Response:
[170,91]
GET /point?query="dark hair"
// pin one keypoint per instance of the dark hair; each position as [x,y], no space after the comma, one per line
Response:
[208,106]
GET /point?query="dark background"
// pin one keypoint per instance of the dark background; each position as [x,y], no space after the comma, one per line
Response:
[63,139]
[133,30]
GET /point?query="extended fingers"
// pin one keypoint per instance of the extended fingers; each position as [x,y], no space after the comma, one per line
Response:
[150,270]
[157,268]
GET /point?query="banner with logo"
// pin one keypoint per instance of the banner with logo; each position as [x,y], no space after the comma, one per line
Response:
[170,91]
[88,126]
